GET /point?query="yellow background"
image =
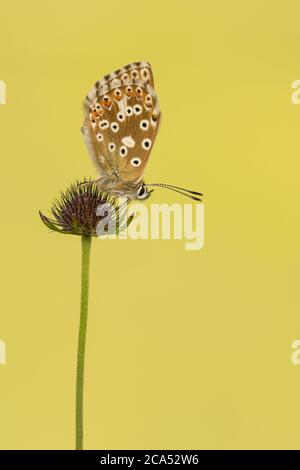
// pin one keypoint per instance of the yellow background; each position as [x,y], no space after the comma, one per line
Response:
[185,349]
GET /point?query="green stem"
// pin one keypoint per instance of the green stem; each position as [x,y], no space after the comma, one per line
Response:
[86,249]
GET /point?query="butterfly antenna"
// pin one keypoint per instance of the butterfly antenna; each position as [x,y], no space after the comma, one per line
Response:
[88,182]
[178,189]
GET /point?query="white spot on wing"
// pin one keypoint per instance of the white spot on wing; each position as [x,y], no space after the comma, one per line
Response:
[137,109]
[144,124]
[146,144]
[123,151]
[121,116]
[114,127]
[122,104]
[103,124]
[135,161]
[128,141]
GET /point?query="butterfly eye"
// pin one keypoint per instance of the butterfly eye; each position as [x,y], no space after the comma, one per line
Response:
[98,107]
[144,124]
[93,121]
[142,192]
[104,124]
[137,109]
[146,144]
[99,137]
[120,117]
[135,161]
[123,151]
[111,147]
[114,127]
[129,110]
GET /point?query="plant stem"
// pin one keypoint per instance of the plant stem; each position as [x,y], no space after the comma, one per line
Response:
[85,262]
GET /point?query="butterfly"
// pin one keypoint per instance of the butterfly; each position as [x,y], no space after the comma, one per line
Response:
[122,117]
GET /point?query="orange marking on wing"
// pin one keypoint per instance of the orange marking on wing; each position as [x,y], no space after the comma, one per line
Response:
[106,101]
[118,95]
[129,91]
[139,92]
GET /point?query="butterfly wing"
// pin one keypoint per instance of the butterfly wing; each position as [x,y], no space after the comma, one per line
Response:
[122,119]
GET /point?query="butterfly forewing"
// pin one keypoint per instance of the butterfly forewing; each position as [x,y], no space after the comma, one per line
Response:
[122,118]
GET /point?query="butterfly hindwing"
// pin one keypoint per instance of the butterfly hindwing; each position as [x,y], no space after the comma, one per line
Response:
[122,118]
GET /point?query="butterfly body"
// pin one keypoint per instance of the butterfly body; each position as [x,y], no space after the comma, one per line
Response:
[121,122]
